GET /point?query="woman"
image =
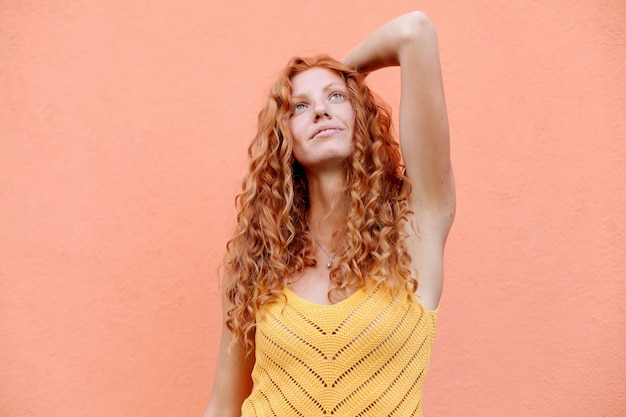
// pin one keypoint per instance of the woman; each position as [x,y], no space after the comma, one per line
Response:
[333,278]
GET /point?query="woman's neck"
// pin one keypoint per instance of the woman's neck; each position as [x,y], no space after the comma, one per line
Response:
[327,211]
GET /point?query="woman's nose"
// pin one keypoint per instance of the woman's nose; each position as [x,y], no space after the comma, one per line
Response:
[321,109]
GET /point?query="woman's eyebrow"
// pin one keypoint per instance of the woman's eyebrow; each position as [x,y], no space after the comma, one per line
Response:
[334,86]
[296,97]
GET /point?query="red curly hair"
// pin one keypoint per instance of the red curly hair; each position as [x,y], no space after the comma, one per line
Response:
[272,241]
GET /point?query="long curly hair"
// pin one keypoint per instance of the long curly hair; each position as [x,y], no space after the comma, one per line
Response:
[272,242]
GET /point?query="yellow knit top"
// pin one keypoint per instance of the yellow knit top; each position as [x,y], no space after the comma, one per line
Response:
[365,356]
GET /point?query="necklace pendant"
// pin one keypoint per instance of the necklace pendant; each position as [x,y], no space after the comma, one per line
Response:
[330,262]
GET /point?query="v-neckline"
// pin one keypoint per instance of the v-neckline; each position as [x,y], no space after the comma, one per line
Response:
[291,295]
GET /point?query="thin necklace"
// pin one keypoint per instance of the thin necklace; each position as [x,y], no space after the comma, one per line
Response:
[317,242]
[330,257]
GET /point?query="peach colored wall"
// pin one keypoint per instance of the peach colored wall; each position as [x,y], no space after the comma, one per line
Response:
[123,131]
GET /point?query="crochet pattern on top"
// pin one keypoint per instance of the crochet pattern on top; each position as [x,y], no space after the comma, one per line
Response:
[364,356]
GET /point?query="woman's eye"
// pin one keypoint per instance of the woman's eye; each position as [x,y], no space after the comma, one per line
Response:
[337,96]
[299,107]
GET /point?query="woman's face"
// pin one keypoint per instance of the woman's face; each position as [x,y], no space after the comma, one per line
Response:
[322,119]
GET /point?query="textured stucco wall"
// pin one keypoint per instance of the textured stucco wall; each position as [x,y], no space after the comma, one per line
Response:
[123,131]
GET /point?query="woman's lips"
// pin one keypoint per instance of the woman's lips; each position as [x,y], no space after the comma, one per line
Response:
[325,131]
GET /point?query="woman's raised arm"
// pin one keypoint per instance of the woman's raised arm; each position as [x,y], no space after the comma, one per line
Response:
[410,41]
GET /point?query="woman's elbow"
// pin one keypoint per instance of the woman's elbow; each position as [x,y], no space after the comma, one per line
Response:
[416,27]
